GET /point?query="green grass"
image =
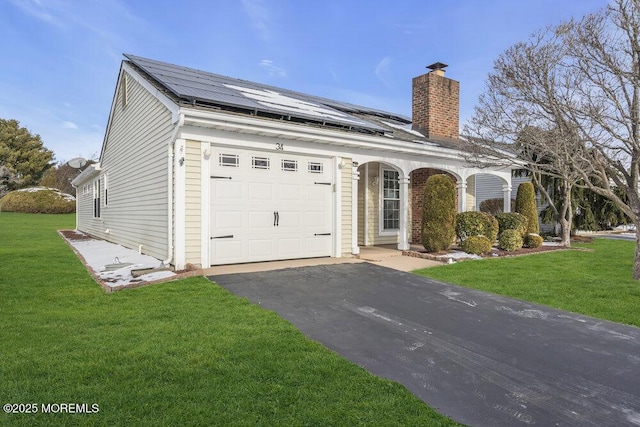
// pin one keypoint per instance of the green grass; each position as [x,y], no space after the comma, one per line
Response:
[181,353]
[597,283]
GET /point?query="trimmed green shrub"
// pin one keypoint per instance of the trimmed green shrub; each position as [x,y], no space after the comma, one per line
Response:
[510,240]
[438,213]
[533,240]
[38,200]
[476,223]
[512,221]
[494,206]
[526,205]
[476,245]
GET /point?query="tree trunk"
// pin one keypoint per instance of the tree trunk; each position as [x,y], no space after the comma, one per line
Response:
[565,232]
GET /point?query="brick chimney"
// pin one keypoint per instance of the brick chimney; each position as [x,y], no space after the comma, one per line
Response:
[436,103]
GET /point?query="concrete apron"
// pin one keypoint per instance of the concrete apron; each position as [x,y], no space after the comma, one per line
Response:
[380,255]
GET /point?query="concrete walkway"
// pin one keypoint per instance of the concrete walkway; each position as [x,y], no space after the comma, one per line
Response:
[482,359]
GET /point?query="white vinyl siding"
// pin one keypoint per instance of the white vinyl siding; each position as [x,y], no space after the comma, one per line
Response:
[345,206]
[193,203]
[136,154]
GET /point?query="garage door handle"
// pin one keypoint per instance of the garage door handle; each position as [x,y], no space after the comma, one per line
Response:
[220,177]
[277,219]
[322,234]
[228,236]
[322,183]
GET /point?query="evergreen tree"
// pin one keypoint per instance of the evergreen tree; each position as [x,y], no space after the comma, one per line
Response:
[23,157]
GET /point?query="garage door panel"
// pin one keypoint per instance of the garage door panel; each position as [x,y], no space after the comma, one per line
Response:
[317,192]
[260,190]
[243,206]
[228,251]
[289,219]
[228,190]
[260,220]
[289,191]
[228,219]
[260,248]
[317,244]
[289,248]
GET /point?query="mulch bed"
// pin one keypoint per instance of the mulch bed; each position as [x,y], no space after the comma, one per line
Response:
[498,253]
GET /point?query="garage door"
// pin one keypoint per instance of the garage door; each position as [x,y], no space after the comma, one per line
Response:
[269,206]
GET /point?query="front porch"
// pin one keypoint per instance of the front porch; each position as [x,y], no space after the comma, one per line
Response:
[388,197]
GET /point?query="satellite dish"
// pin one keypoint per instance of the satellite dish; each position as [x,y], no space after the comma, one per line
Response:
[77,162]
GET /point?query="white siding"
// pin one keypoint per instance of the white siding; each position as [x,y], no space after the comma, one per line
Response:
[345,206]
[372,188]
[193,203]
[135,157]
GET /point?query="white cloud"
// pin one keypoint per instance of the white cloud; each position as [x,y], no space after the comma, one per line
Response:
[272,69]
[259,16]
[69,125]
[382,70]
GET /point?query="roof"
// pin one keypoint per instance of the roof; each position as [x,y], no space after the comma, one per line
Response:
[201,88]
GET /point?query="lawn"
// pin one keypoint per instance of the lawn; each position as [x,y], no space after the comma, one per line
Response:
[181,353]
[596,282]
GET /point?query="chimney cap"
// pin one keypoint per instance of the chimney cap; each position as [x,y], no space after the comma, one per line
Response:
[437,66]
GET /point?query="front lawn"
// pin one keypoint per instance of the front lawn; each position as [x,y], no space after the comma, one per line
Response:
[597,283]
[180,353]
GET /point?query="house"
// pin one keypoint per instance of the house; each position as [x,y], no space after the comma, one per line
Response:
[202,169]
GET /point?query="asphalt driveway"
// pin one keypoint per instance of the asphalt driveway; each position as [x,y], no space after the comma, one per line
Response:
[481,359]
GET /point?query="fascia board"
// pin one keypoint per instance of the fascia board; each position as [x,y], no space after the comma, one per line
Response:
[276,129]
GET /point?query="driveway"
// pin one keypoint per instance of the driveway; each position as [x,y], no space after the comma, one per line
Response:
[481,359]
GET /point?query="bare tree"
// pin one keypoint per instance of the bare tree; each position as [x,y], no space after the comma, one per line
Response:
[581,81]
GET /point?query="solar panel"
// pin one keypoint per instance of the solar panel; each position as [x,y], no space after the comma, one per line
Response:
[190,84]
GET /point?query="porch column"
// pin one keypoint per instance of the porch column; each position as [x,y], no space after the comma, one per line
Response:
[506,189]
[403,243]
[355,176]
[462,196]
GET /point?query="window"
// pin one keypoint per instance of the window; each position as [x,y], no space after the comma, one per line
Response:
[96,198]
[230,160]
[260,162]
[289,165]
[390,200]
[315,167]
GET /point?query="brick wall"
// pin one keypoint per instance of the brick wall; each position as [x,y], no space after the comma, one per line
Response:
[436,105]
[418,182]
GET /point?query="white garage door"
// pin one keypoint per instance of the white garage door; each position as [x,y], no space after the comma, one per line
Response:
[269,206]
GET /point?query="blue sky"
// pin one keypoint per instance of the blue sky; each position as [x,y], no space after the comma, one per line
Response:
[60,58]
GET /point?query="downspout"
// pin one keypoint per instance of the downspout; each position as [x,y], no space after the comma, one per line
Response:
[172,142]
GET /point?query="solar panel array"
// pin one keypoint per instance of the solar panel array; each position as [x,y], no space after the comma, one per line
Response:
[199,86]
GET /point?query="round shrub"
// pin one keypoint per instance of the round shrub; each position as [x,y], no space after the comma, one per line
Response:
[533,240]
[476,245]
[512,221]
[38,200]
[510,240]
[438,213]
[526,205]
[476,223]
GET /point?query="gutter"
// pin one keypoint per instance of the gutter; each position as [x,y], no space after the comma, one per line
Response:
[171,148]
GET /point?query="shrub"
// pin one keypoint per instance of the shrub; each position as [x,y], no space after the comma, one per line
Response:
[476,224]
[510,240]
[526,205]
[438,213]
[494,206]
[476,245]
[533,240]
[512,221]
[38,200]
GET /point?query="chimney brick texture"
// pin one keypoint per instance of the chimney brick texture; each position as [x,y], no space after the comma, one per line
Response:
[436,105]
